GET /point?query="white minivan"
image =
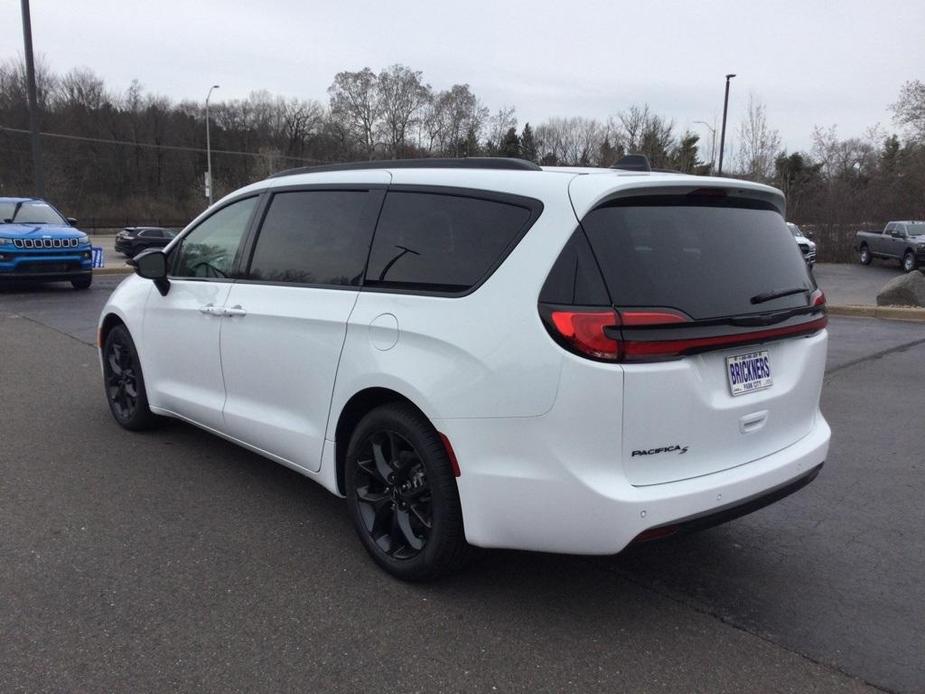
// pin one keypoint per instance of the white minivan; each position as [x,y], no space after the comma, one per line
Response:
[487,353]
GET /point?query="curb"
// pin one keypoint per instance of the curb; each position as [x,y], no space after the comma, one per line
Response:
[890,312]
[125,270]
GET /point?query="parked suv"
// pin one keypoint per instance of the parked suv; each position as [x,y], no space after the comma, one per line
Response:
[807,247]
[132,240]
[487,353]
[38,243]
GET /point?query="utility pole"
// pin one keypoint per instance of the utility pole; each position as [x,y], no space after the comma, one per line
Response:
[209,148]
[722,137]
[38,179]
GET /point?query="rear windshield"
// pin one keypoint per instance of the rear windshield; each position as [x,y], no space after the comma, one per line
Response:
[705,256]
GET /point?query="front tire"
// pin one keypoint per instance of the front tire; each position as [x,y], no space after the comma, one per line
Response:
[402,495]
[82,282]
[125,383]
[908,262]
[864,255]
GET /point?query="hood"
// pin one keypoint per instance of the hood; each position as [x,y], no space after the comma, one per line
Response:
[38,231]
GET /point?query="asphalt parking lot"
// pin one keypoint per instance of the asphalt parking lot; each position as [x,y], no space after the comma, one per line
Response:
[853,283]
[174,560]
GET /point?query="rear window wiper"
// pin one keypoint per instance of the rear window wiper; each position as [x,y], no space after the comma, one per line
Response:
[778,293]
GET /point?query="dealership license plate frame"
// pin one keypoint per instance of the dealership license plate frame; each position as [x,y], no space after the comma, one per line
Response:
[753,385]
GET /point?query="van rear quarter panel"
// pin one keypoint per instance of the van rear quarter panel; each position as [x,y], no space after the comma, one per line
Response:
[486,354]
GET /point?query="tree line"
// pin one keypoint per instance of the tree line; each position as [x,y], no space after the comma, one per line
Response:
[135,156]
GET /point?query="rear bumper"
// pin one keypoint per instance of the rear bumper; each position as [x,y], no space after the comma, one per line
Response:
[535,502]
[724,514]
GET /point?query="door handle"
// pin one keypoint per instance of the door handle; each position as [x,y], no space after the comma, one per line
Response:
[235,311]
[210,310]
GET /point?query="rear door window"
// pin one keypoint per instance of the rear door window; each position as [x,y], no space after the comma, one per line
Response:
[316,237]
[703,255]
[442,243]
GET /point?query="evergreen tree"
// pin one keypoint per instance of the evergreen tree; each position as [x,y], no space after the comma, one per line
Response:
[684,156]
[528,144]
[510,144]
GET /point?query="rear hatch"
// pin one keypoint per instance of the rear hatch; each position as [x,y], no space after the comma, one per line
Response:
[718,324]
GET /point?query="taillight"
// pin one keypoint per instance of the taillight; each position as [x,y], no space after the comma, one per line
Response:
[817,298]
[583,330]
[646,335]
[659,317]
[658,350]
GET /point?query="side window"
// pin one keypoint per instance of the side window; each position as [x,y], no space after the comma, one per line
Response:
[209,249]
[441,242]
[575,278]
[316,237]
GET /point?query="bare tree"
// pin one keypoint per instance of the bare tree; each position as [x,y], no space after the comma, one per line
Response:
[638,130]
[458,118]
[402,95]
[759,144]
[499,123]
[909,109]
[355,102]
[569,141]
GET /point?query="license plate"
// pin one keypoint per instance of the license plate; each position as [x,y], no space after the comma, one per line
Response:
[748,372]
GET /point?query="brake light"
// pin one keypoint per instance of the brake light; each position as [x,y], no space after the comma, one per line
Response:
[584,330]
[817,298]
[660,317]
[634,335]
[653,350]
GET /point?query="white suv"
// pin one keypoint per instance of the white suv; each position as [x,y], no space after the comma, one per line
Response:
[489,353]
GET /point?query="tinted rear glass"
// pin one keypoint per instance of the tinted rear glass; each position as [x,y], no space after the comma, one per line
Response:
[441,243]
[315,237]
[705,256]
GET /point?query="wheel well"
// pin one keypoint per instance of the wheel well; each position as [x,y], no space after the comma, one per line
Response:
[109,322]
[356,408]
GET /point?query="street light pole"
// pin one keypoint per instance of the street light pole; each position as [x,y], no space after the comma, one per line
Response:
[712,129]
[209,145]
[33,101]
[722,137]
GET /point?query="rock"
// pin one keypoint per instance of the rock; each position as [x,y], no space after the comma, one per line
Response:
[905,290]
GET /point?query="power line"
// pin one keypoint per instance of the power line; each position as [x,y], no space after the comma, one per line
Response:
[151,145]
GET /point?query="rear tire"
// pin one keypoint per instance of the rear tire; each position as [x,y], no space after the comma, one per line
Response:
[82,282]
[402,495]
[124,382]
[864,256]
[908,262]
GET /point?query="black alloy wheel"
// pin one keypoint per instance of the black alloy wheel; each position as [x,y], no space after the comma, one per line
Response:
[402,494]
[124,382]
[393,494]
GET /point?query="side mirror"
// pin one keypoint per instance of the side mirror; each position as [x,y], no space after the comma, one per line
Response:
[72,221]
[152,265]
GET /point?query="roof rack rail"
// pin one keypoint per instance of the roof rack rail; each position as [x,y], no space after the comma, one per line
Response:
[506,163]
[633,162]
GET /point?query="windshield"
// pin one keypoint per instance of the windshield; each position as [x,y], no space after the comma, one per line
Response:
[705,257]
[917,229]
[794,229]
[29,212]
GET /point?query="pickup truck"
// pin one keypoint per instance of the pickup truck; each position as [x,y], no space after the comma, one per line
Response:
[904,241]
[39,244]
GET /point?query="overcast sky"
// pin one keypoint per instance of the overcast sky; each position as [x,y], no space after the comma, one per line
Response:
[810,62]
